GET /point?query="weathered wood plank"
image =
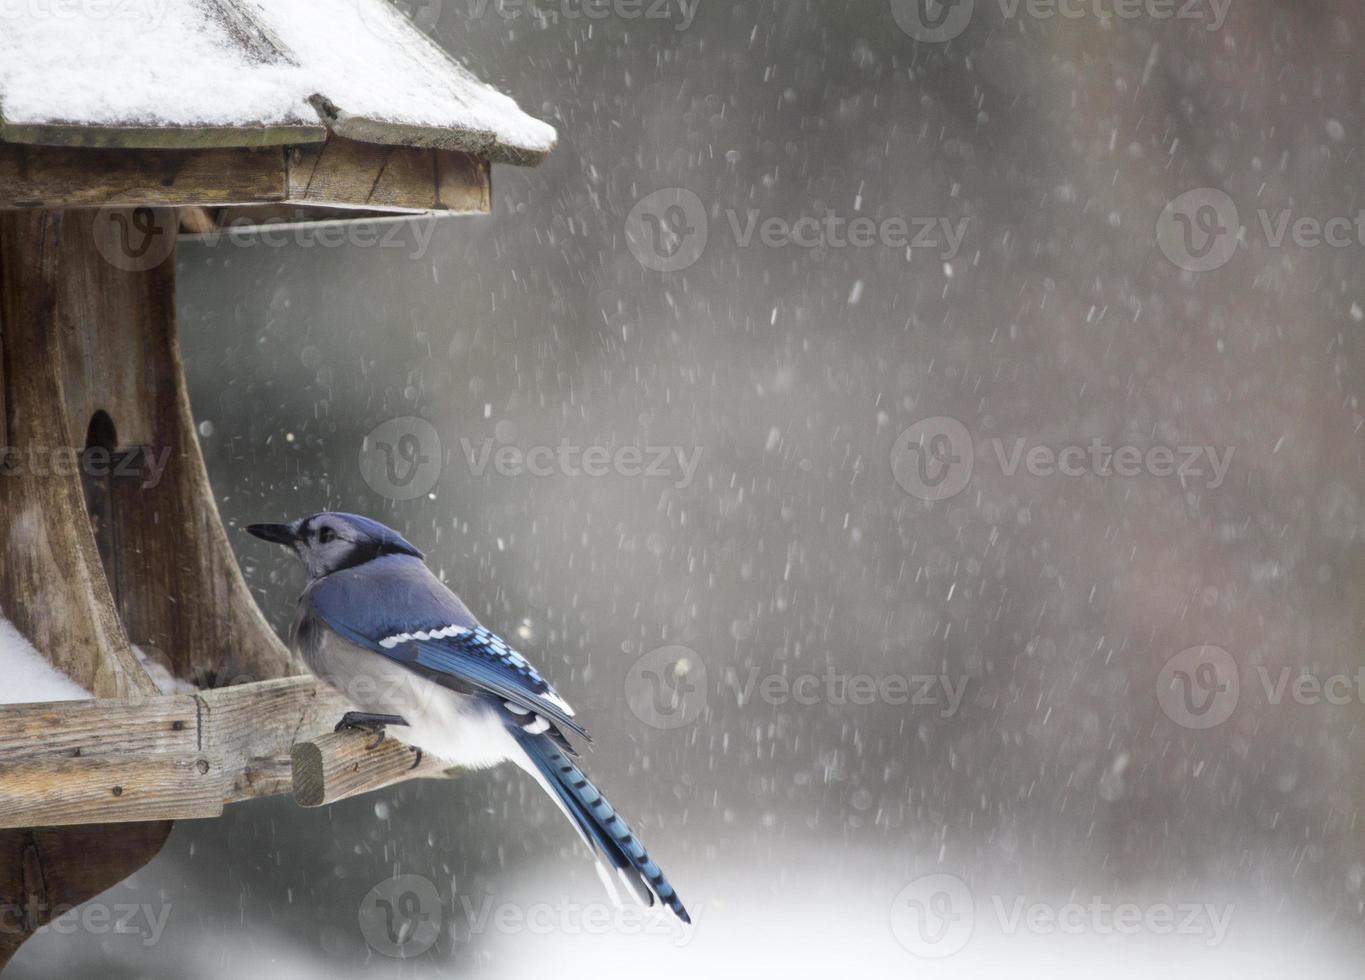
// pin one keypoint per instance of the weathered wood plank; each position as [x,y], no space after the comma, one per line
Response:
[338,766]
[63,757]
[464,183]
[160,137]
[46,792]
[65,177]
[99,728]
[337,173]
[254,726]
[348,173]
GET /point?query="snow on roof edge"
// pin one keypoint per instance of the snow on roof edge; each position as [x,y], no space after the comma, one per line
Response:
[388,81]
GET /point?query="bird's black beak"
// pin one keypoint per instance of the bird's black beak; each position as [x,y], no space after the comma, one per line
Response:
[274,533]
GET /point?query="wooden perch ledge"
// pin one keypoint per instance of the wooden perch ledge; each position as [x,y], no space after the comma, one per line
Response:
[178,757]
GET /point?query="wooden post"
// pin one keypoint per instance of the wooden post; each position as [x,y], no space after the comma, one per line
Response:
[84,334]
[175,580]
[52,585]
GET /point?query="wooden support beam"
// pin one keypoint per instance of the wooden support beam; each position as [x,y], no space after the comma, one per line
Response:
[337,173]
[344,764]
[96,729]
[63,792]
[185,757]
[70,177]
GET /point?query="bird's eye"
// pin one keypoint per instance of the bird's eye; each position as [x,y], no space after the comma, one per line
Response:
[327,535]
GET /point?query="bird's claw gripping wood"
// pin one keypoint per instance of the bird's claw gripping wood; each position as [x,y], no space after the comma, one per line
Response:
[377,725]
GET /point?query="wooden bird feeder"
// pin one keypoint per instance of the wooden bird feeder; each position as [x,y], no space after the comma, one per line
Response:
[119,126]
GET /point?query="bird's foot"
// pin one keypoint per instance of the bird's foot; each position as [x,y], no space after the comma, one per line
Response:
[417,757]
[377,725]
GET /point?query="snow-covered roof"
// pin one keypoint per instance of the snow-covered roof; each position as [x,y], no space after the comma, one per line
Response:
[181,73]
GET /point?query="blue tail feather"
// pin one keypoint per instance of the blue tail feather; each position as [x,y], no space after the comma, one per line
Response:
[598,821]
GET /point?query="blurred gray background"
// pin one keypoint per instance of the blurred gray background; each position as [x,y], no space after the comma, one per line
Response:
[793,830]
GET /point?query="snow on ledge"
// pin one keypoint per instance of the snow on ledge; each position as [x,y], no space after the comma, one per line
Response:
[28,677]
[165,681]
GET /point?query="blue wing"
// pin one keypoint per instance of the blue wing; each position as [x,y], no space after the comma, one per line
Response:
[419,623]
[484,659]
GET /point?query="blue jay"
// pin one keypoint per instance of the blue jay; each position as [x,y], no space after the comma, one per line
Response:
[378,626]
